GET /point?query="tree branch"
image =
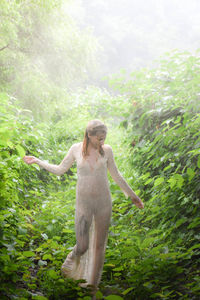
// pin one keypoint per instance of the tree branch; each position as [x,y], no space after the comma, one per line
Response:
[1,49]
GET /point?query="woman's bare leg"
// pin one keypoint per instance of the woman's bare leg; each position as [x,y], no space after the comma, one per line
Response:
[82,225]
[83,221]
[102,222]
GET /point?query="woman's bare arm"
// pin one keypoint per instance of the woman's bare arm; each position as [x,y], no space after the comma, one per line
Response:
[55,169]
[121,182]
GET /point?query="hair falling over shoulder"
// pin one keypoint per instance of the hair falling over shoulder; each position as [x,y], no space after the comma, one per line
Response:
[85,146]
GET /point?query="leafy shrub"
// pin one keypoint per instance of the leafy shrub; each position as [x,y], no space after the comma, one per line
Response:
[163,133]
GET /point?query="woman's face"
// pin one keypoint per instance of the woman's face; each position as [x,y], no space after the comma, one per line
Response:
[98,139]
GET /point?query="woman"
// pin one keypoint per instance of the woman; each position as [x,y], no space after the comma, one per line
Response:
[93,201]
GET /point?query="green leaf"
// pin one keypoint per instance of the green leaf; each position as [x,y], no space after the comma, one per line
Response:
[47,256]
[113,297]
[20,151]
[118,269]
[127,290]
[99,295]
[28,253]
[194,247]
[198,162]
[176,180]
[117,274]
[181,221]
[159,181]
[109,265]
[190,173]
[148,242]
[156,295]
[195,151]
[145,176]
[38,297]
[195,223]
[179,180]
[32,286]
[148,284]
[36,167]
[52,274]
[10,144]
[172,182]
[148,181]
[39,249]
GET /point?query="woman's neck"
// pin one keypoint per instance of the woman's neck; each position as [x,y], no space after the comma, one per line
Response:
[92,147]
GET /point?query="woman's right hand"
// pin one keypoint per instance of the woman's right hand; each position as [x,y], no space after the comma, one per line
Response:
[30,160]
[137,201]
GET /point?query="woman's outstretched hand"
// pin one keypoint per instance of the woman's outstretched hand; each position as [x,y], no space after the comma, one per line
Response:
[138,202]
[30,160]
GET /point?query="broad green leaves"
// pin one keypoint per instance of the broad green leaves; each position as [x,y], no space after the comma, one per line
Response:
[28,253]
[20,151]
[163,130]
[159,181]
[176,181]
[151,253]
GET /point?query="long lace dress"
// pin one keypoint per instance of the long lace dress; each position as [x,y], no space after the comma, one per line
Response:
[93,211]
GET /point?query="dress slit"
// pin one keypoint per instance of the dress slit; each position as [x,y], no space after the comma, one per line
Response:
[83,267]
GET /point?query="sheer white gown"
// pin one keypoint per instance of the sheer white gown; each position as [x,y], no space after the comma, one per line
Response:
[93,211]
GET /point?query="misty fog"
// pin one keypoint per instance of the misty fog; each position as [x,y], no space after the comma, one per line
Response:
[76,43]
[133,33]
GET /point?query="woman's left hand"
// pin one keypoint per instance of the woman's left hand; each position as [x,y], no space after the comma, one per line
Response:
[137,201]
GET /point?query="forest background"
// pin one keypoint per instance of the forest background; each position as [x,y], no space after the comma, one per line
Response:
[52,64]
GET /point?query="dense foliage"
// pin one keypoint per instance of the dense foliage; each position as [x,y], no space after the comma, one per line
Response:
[153,118]
[154,130]
[163,130]
[43,53]
[37,208]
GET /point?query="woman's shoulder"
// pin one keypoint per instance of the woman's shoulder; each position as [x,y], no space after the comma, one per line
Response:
[75,149]
[107,148]
[76,146]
